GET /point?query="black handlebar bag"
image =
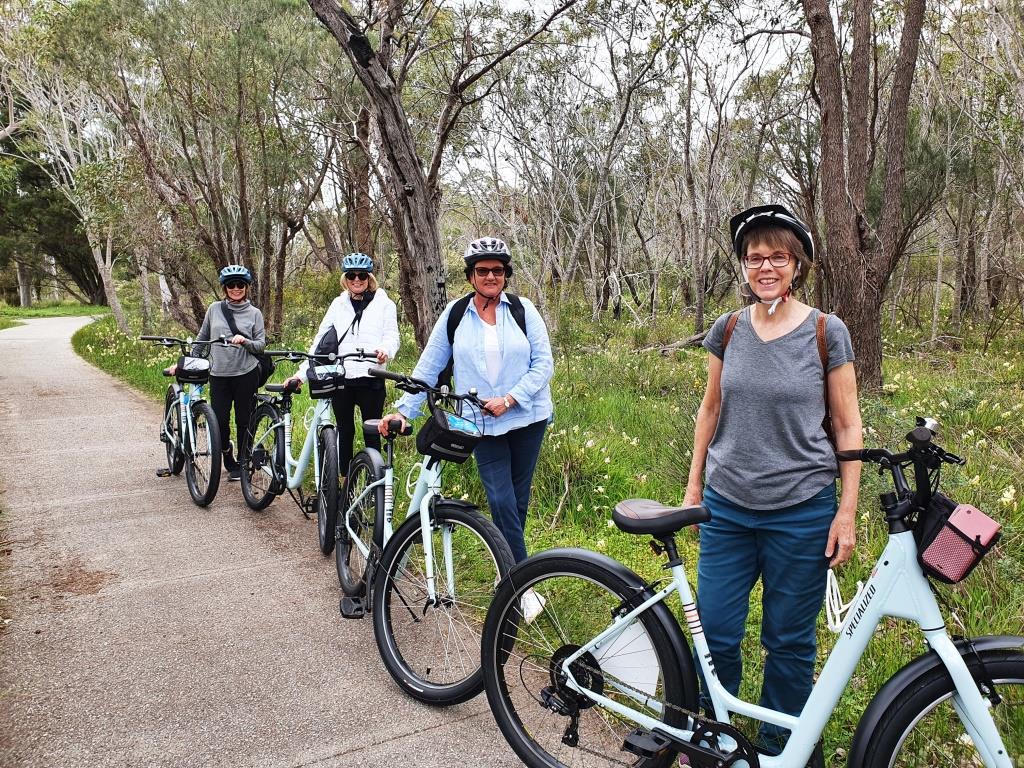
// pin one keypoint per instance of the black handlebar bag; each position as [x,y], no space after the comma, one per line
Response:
[447,436]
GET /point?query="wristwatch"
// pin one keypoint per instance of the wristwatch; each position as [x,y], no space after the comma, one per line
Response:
[508,403]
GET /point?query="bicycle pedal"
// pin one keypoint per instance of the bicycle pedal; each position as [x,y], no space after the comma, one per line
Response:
[352,607]
[646,744]
[164,472]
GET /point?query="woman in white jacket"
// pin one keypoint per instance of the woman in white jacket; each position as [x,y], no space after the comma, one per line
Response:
[363,317]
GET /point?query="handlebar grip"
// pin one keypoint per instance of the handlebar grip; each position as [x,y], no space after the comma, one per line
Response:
[384,373]
[151,338]
[857,455]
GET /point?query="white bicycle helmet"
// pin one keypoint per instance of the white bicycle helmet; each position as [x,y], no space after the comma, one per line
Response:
[488,248]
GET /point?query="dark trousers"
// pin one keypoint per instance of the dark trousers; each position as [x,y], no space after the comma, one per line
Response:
[506,464]
[240,392]
[371,406]
[785,548]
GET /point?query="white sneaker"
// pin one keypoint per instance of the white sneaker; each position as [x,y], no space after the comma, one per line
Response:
[532,605]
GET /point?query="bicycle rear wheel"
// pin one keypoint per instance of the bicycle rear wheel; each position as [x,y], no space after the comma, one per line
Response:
[432,650]
[202,464]
[365,518]
[263,464]
[921,728]
[170,432]
[327,491]
[527,689]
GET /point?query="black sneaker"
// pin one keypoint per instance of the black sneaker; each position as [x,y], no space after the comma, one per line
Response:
[234,475]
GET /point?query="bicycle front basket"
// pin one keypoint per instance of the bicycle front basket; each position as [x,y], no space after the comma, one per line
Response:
[192,370]
[325,380]
[953,538]
[448,437]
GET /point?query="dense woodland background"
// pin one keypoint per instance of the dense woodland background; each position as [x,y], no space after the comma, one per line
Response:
[147,144]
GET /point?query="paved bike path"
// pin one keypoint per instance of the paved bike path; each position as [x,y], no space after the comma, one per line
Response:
[146,631]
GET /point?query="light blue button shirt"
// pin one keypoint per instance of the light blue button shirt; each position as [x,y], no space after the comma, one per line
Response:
[526,365]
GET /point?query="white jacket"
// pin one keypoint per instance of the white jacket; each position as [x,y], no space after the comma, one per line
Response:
[376,329]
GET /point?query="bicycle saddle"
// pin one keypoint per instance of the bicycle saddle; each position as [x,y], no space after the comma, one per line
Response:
[370,426]
[654,518]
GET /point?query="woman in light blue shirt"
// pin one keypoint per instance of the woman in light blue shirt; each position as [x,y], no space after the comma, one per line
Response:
[510,370]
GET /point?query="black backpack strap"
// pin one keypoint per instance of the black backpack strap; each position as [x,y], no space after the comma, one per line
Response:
[228,317]
[455,317]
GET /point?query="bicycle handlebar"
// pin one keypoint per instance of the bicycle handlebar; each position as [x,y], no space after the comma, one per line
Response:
[415,386]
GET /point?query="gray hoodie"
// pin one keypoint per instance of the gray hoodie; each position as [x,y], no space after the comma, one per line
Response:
[233,360]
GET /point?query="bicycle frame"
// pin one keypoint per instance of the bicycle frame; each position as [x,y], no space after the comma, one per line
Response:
[428,487]
[187,394]
[295,469]
[896,588]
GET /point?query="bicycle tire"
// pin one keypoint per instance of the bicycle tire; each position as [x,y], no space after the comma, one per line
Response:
[263,463]
[520,660]
[172,437]
[920,728]
[433,651]
[367,520]
[202,466]
[327,491]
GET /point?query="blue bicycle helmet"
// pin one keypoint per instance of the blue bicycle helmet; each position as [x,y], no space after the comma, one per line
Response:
[357,261]
[235,272]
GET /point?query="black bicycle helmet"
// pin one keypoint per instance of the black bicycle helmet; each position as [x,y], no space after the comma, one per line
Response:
[488,248]
[751,219]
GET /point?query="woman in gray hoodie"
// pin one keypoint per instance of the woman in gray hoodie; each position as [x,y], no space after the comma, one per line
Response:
[234,369]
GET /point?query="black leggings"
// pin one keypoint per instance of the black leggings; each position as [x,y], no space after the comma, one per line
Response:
[371,406]
[239,391]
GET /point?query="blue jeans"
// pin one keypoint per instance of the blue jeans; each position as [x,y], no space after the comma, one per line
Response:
[786,549]
[506,464]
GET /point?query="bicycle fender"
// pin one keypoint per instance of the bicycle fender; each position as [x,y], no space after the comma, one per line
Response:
[376,460]
[438,501]
[661,611]
[906,676]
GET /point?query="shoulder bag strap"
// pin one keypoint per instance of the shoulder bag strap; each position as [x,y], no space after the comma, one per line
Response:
[228,318]
[730,326]
[823,354]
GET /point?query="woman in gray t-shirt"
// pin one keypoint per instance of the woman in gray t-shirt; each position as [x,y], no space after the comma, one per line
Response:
[769,468]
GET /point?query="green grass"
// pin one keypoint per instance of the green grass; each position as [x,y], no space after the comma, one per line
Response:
[6,322]
[61,309]
[624,427]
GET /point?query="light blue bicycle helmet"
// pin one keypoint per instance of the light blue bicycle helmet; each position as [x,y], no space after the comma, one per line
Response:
[357,261]
[235,272]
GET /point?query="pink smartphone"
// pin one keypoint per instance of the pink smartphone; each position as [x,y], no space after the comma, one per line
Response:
[951,556]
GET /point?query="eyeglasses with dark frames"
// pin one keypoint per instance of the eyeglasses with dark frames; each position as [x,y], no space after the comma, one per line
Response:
[776,259]
[500,271]
[357,275]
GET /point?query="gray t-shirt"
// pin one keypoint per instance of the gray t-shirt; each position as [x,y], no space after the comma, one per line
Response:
[769,450]
[233,360]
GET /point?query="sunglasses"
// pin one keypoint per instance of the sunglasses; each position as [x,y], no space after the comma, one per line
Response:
[357,275]
[234,285]
[485,271]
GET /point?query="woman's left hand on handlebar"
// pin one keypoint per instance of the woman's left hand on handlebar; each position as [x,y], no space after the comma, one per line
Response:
[382,356]
[237,339]
[842,536]
[496,406]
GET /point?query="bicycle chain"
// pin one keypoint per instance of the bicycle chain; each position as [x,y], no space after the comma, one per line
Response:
[703,728]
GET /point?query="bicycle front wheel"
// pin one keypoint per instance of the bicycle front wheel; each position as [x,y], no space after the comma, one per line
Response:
[365,517]
[921,728]
[327,491]
[545,720]
[170,432]
[432,647]
[263,463]
[202,463]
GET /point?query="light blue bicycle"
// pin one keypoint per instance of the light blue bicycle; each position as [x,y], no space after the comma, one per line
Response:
[604,676]
[428,582]
[189,428]
[268,467]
